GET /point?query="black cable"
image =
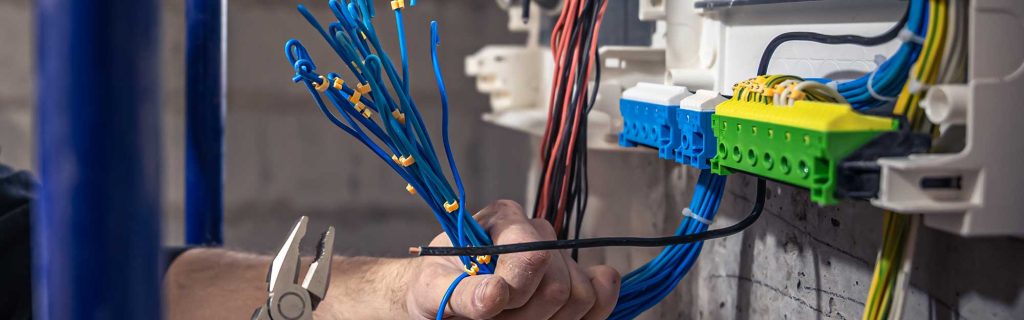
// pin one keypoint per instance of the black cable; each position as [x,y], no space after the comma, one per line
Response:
[755,213]
[892,33]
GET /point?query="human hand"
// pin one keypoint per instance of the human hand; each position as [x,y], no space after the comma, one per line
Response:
[528,285]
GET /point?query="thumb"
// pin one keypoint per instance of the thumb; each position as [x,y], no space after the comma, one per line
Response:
[476,297]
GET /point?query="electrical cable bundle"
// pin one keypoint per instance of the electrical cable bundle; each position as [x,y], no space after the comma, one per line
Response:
[883,84]
[379,112]
[562,190]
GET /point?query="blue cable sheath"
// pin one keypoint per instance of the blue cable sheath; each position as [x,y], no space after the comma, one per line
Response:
[448,295]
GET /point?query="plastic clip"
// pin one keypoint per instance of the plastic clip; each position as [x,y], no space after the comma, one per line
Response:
[339,83]
[399,116]
[473,269]
[451,206]
[323,85]
[483,259]
[354,98]
[363,88]
[695,217]
[397,4]
[403,160]
[408,187]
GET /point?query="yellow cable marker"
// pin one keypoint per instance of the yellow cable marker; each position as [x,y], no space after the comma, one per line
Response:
[359,106]
[354,98]
[407,161]
[451,206]
[323,85]
[397,4]
[367,113]
[483,259]
[473,269]
[395,159]
[398,116]
[338,83]
[363,88]
[408,187]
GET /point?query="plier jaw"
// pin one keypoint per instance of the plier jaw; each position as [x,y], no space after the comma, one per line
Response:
[288,299]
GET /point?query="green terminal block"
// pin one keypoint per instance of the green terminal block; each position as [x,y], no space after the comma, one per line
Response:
[799,145]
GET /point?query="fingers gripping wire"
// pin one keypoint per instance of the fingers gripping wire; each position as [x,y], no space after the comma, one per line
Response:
[755,213]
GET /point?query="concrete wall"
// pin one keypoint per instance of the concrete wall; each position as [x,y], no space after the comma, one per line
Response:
[284,159]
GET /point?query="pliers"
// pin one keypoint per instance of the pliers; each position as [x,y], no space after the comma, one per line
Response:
[288,299]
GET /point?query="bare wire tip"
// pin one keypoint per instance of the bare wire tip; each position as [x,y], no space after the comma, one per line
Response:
[415,250]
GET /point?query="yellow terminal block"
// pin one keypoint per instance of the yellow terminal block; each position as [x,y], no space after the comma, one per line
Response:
[473,269]
[338,83]
[398,116]
[408,187]
[323,85]
[483,259]
[397,4]
[451,206]
[354,98]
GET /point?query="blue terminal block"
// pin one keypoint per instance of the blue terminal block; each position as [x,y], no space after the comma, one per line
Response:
[649,117]
[697,141]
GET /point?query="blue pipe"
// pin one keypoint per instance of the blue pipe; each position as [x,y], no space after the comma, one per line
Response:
[204,121]
[96,225]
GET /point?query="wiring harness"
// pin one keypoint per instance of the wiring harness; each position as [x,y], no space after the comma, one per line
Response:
[562,188]
[379,112]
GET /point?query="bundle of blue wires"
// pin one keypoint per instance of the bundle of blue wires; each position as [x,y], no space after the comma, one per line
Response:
[380,113]
[387,121]
[888,79]
[646,286]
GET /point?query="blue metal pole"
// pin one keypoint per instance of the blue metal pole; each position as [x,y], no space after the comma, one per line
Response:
[96,228]
[204,121]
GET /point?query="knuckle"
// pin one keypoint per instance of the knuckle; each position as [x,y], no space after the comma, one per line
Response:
[534,261]
[583,296]
[505,206]
[555,293]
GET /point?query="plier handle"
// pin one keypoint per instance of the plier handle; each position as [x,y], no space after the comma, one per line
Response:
[287,298]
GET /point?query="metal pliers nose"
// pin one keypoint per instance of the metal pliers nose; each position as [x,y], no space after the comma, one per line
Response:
[288,299]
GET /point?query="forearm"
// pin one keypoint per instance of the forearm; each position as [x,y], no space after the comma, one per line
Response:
[216,283]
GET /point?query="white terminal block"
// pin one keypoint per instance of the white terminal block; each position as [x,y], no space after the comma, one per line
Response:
[979,190]
[702,101]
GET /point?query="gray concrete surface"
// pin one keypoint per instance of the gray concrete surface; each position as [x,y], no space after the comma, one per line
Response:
[284,159]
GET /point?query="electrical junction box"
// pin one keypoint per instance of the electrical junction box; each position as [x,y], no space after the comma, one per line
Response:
[696,135]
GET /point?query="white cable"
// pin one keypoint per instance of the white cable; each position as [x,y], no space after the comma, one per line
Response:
[831,92]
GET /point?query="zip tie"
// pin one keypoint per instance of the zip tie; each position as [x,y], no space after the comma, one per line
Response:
[451,206]
[323,85]
[397,4]
[354,98]
[691,215]
[363,88]
[339,83]
[871,89]
[906,35]
[472,270]
[398,116]
[833,84]
[408,187]
[917,87]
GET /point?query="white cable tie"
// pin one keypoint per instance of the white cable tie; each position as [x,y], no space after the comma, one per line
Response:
[906,35]
[833,84]
[879,60]
[916,86]
[871,89]
[691,215]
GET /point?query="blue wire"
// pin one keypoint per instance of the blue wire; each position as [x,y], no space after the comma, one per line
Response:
[448,295]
